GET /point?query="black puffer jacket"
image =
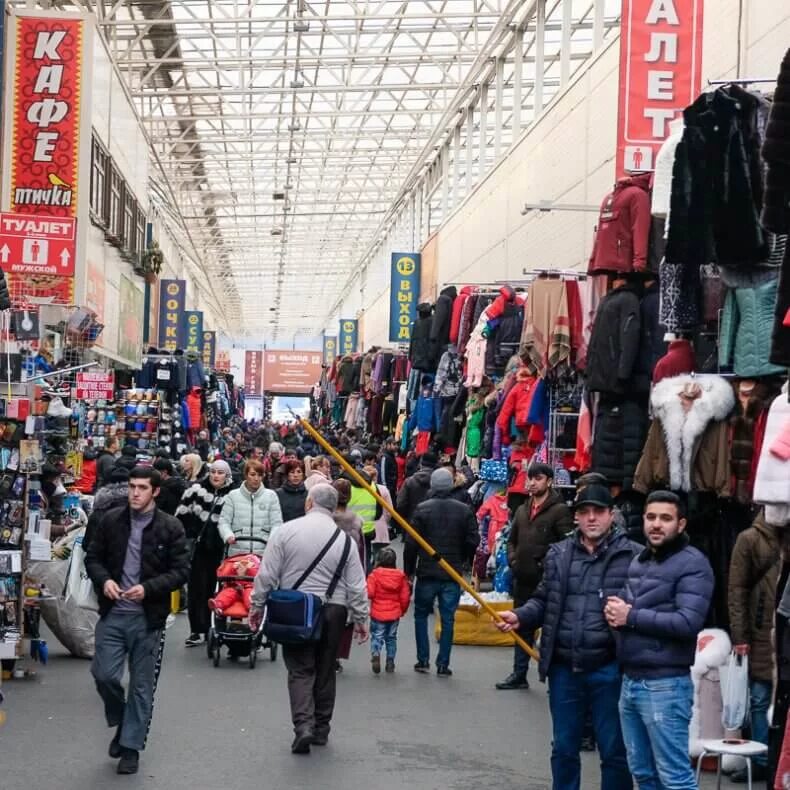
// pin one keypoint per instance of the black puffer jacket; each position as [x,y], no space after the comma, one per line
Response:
[170,493]
[420,344]
[451,528]
[413,492]
[164,563]
[569,601]
[104,466]
[530,539]
[440,326]
[620,433]
[345,375]
[292,499]
[651,341]
[614,343]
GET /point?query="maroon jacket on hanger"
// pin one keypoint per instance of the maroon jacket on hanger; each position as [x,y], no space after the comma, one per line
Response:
[621,242]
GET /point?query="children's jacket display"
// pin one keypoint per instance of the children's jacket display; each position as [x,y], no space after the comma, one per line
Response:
[389,592]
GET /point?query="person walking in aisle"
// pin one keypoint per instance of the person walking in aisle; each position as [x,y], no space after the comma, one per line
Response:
[320,472]
[199,512]
[542,520]
[388,466]
[658,615]
[416,488]
[577,647]
[450,527]
[364,504]
[137,557]
[250,511]
[292,493]
[754,574]
[389,592]
[311,666]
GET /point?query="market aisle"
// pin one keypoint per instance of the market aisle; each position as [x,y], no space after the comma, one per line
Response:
[229,728]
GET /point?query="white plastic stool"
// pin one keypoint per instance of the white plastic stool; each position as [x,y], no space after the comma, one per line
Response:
[734,746]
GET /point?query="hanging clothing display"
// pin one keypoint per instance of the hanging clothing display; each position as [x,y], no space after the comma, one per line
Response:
[772,481]
[546,337]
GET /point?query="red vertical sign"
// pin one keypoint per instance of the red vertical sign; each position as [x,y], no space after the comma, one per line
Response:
[253,372]
[660,75]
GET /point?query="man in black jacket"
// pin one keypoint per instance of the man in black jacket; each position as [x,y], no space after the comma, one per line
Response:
[450,527]
[171,488]
[388,467]
[137,557]
[577,647]
[415,490]
[542,520]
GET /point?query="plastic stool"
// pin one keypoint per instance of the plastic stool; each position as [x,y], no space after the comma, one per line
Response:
[735,746]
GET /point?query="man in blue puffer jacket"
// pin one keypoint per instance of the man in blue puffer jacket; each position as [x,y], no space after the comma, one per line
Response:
[661,610]
[577,647]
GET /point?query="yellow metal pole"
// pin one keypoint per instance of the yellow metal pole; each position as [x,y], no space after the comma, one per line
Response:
[421,542]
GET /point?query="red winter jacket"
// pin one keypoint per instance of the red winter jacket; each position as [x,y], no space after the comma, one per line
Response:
[193,405]
[458,306]
[679,359]
[623,228]
[517,403]
[87,482]
[520,456]
[496,508]
[389,592]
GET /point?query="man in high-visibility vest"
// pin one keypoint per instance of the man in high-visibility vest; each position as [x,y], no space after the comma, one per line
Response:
[364,504]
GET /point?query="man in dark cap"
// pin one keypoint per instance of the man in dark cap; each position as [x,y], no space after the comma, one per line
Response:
[415,490]
[542,520]
[577,647]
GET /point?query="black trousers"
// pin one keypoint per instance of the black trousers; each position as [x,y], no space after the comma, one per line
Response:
[202,580]
[311,674]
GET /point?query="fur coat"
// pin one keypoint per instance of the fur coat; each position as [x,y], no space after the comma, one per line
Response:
[687,446]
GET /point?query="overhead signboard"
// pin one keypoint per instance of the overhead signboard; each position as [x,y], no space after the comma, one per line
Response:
[31,244]
[349,330]
[404,292]
[330,348]
[172,300]
[660,75]
[253,373]
[47,137]
[291,372]
[193,332]
[209,349]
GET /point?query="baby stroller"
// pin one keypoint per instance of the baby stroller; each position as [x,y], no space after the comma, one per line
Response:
[232,627]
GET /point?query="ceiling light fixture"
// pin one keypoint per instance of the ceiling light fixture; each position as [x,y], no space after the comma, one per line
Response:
[301,25]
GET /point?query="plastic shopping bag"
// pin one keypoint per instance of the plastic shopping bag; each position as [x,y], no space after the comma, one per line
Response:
[79,588]
[735,692]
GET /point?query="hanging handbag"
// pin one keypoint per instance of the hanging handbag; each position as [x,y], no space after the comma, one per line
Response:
[494,471]
[293,617]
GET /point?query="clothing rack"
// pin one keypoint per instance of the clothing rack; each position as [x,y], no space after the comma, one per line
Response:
[743,81]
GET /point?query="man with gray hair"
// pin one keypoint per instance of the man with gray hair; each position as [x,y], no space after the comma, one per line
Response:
[291,550]
[450,527]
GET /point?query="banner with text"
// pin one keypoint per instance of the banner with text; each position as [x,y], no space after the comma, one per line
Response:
[209,349]
[96,385]
[193,331]
[253,373]
[47,137]
[172,299]
[660,75]
[404,291]
[291,372]
[349,330]
[330,349]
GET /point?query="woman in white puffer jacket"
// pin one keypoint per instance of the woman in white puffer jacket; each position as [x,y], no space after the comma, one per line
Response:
[251,511]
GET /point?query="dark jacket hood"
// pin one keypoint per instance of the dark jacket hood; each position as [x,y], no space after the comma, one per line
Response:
[425,309]
[111,495]
[450,291]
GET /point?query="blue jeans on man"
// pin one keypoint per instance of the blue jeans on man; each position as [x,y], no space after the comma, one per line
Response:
[759,701]
[655,715]
[570,695]
[448,594]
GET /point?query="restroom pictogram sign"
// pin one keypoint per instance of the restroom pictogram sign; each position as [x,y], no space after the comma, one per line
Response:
[35,244]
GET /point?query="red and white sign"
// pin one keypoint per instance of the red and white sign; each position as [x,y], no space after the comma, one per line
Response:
[660,75]
[34,244]
[291,372]
[95,385]
[253,373]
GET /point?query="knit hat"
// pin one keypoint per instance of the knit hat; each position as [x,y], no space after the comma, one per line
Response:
[429,461]
[442,481]
[129,450]
[221,466]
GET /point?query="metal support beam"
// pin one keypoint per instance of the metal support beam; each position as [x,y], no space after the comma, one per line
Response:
[456,190]
[518,61]
[483,139]
[445,157]
[565,42]
[540,56]
[470,151]
[499,101]
[598,24]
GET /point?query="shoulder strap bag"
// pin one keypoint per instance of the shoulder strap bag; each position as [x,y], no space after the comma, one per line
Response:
[293,617]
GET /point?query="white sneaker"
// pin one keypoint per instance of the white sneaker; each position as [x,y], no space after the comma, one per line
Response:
[58,409]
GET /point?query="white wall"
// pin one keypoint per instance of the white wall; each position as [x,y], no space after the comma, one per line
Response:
[568,156]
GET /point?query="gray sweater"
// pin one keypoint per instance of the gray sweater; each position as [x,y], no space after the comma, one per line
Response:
[293,547]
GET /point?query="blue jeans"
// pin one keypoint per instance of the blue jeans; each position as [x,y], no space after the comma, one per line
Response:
[655,717]
[384,634]
[760,699]
[570,695]
[426,591]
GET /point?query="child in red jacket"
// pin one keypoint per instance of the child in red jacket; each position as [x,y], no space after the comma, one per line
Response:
[236,591]
[389,592]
